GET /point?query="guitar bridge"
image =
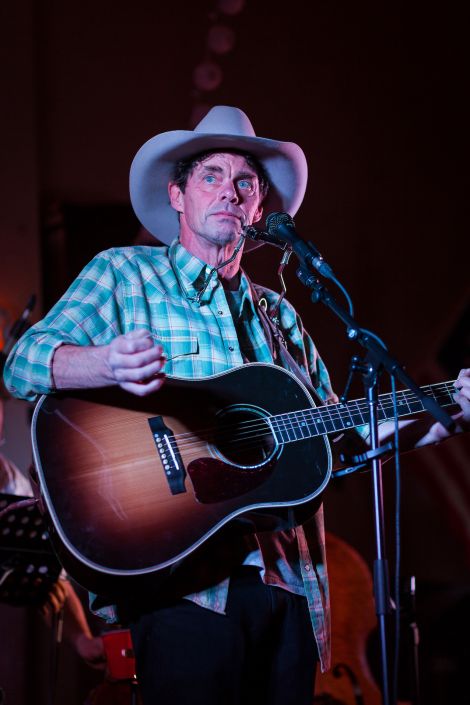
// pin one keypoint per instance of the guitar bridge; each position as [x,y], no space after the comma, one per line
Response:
[170,457]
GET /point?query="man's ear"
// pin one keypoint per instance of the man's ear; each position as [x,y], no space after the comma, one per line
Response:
[176,197]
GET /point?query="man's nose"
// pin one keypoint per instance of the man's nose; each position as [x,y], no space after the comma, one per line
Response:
[229,192]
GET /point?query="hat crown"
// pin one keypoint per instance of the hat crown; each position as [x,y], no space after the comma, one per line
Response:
[225,120]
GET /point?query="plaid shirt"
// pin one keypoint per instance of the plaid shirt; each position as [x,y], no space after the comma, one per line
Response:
[154,288]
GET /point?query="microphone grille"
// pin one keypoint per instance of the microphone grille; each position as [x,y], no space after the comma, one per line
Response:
[275,219]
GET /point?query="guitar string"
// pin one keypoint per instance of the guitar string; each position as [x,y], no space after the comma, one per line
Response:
[280,423]
[335,412]
[251,441]
[354,407]
[332,414]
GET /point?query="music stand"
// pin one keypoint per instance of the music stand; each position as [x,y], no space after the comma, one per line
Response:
[28,565]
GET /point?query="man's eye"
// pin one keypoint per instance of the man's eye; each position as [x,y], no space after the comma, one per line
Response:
[245,184]
[210,179]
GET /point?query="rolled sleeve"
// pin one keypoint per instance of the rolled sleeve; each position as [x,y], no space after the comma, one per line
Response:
[89,313]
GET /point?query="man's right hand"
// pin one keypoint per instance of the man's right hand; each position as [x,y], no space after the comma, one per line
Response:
[132,361]
[136,363]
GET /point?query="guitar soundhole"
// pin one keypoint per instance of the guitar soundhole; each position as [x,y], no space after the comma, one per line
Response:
[244,437]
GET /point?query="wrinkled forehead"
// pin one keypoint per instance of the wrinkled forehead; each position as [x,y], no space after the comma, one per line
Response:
[226,161]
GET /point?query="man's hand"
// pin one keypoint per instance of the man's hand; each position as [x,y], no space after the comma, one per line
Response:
[91,650]
[436,432]
[132,361]
[136,364]
[415,433]
[462,397]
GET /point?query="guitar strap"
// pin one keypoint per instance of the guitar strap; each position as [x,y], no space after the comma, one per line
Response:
[283,358]
[278,344]
[348,441]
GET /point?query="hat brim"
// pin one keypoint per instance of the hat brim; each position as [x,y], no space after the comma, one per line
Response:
[153,167]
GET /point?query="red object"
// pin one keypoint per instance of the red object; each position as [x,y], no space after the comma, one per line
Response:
[119,654]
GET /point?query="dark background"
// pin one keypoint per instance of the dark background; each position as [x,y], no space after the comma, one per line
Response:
[376,95]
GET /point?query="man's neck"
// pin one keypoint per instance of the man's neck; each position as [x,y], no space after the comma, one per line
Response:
[214,256]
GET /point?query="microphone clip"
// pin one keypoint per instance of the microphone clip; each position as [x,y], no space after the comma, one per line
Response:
[252,233]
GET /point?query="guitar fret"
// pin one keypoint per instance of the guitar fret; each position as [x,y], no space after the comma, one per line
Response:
[403,407]
[443,397]
[356,414]
[332,423]
[382,414]
[318,421]
[346,420]
[304,427]
[282,429]
[331,418]
[290,429]
[287,430]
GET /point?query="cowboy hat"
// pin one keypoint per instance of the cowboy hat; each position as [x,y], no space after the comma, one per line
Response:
[223,127]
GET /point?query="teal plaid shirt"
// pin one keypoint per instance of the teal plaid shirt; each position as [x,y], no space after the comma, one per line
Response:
[154,288]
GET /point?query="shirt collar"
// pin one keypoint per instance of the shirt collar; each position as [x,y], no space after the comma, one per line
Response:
[191,273]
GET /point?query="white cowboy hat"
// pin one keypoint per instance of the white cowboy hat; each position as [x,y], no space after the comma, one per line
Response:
[222,128]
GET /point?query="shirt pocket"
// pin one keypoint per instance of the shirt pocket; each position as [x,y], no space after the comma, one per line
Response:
[179,348]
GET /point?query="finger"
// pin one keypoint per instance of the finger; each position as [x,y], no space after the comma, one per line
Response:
[142,389]
[464,404]
[139,374]
[136,359]
[135,341]
[462,383]
[463,375]
[137,333]
[53,602]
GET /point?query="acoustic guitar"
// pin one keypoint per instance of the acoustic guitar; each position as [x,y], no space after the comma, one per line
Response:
[134,485]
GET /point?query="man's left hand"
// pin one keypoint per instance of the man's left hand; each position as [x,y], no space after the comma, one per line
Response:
[462,397]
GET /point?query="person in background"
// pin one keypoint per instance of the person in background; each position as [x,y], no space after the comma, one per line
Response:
[76,628]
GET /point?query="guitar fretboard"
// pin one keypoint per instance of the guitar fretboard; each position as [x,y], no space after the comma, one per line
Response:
[319,420]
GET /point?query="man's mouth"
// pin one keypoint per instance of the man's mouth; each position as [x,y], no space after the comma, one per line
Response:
[227,214]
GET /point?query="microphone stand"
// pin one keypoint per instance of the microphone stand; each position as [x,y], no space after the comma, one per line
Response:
[376,360]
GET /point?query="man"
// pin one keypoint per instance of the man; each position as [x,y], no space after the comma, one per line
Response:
[253,618]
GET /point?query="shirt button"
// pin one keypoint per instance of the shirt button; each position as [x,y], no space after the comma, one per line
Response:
[308,567]
[231,348]
[221,313]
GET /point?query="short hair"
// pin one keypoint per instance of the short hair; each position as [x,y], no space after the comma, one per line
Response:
[185,167]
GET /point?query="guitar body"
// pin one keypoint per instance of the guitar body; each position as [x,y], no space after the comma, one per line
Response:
[133,485]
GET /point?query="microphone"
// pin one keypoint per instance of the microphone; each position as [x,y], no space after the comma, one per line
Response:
[282,227]
[262,236]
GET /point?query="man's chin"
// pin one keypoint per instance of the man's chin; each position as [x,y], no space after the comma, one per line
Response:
[223,237]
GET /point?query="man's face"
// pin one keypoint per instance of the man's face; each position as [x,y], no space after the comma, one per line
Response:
[222,195]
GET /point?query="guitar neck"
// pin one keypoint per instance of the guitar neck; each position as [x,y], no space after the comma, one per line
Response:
[319,420]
